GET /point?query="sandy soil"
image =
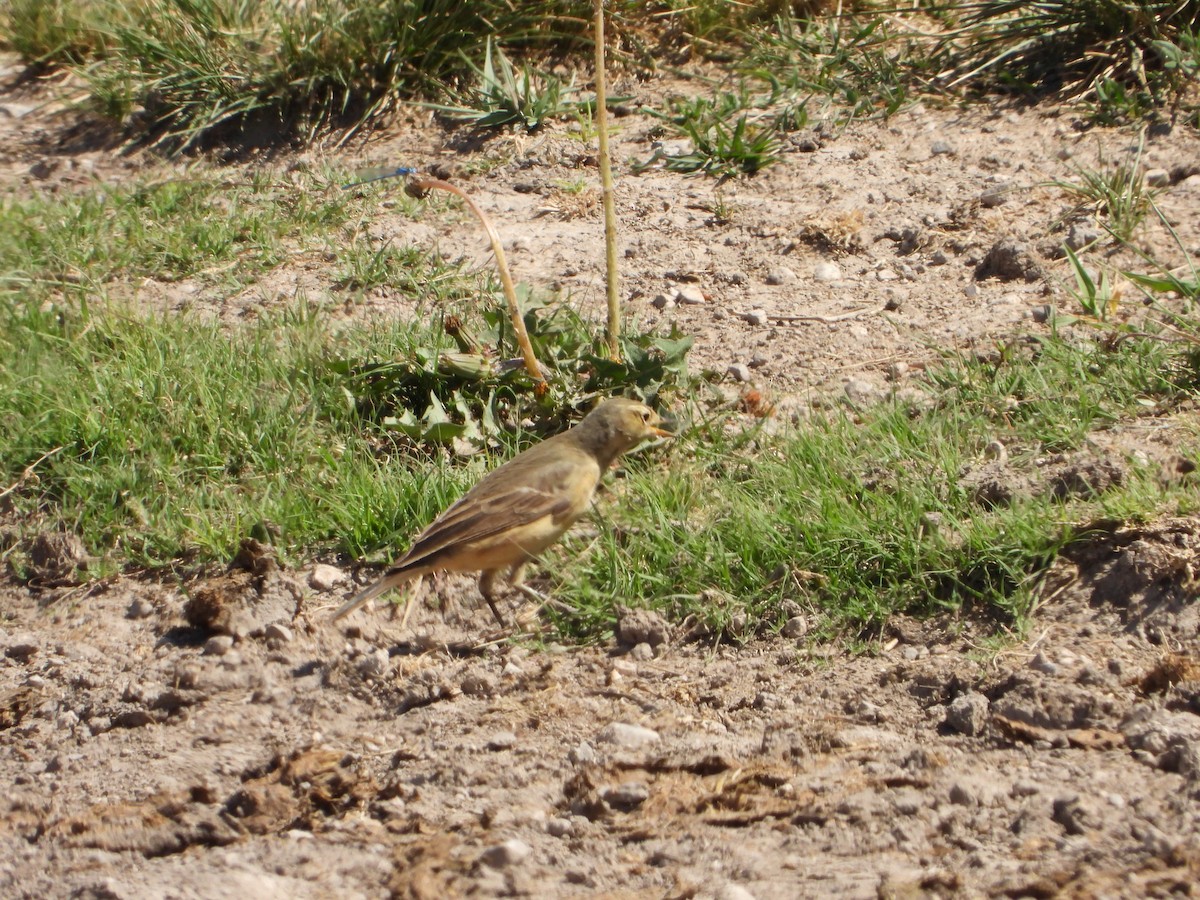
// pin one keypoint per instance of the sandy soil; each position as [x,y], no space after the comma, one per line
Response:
[219,738]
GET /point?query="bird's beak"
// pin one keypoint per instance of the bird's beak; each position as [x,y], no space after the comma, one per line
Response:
[661,432]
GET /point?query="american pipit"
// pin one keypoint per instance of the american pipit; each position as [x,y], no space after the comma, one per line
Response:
[522,507]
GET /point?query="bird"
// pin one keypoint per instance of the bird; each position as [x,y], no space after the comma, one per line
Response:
[521,507]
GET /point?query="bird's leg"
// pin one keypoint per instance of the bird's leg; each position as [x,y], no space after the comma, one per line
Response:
[487,587]
[516,578]
[413,592]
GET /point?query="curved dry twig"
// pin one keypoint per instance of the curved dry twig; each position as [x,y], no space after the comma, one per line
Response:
[424,183]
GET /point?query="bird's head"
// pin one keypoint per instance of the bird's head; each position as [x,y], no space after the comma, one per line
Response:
[618,425]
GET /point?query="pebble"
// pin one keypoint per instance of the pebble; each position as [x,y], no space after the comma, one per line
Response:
[627,796]
[860,391]
[1158,177]
[886,275]
[218,645]
[941,148]
[501,740]
[474,685]
[1081,234]
[968,713]
[690,295]
[961,794]
[795,627]
[782,275]
[556,827]
[734,892]
[374,665]
[739,372]
[756,317]
[139,608]
[1024,789]
[642,652]
[994,196]
[642,626]
[277,631]
[663,300]
[1042,313]
[938,258]
[996,452]
[826,272]
[512,852]
[1041,663]
[627,736]
[584,755]
[897,370]
[325,577]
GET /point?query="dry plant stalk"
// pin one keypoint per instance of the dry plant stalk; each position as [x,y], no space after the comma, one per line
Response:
[613,332]
[423,183]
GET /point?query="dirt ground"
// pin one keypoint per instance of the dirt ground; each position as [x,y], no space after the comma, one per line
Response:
[220,738]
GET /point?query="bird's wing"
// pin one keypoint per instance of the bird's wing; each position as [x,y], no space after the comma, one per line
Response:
[557,488]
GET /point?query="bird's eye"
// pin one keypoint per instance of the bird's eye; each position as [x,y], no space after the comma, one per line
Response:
[646,416]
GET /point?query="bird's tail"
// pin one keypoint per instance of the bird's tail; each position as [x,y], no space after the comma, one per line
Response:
[363,597]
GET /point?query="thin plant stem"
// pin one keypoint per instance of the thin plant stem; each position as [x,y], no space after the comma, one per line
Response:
[612,276]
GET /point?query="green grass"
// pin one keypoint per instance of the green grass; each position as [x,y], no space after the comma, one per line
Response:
[1127,58]
[174,72]
[80,245]
[833,518]
[174,439]
[166,439]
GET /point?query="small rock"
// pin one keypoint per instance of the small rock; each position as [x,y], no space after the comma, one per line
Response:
[374,665]
[1081,234]
[583,755]
[795,627]
[1024,789]
[1072,815]
[938,258]
[512,852]
[860,391]
[218,645]
[626,736]
[1041,663]
[501,740]
[996,452]
[961,794]
[1158,177]
[43,168]
[325,577]
[664,300]
[968,713]
[739,372]
[627,796]
[782,275]
[1009,260]
[941,148]
[139,608]
[556,827]
[641,626]
[826,272]
[756,317]
[994,196]
[1042,313]
[279,632]
[690,295]
[886,275]
[897,370]
[642,652]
